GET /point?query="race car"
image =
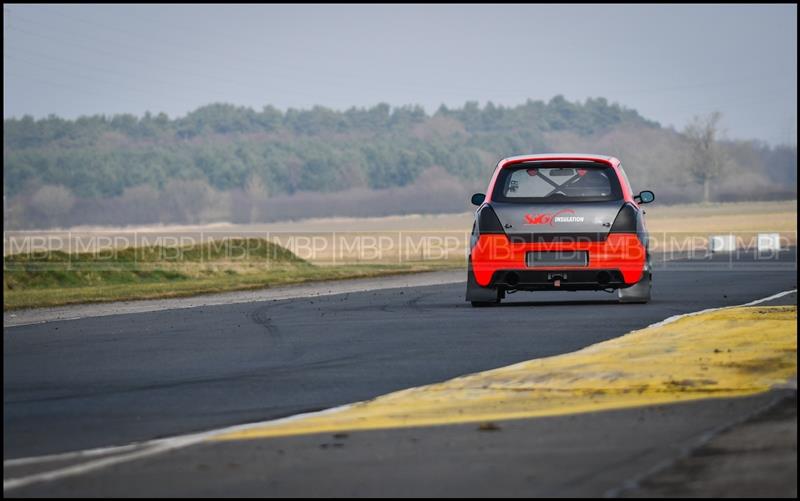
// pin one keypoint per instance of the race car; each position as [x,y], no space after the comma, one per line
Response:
[559,222]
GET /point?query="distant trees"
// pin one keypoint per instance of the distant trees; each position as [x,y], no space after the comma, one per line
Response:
[227,162]
[138,205]
[256,194]
[52,202]
[296,150]
[706,158]
[188,199]
[781,163]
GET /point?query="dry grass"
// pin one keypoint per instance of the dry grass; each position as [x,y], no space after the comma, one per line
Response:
[334,248]
[398,239]
[150,272]
[204,284]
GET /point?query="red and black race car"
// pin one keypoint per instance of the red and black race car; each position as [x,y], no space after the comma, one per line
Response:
[559,222]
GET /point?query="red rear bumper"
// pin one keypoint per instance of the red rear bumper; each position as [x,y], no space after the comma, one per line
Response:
[620,251]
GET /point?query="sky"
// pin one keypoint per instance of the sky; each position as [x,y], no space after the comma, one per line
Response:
[669,62]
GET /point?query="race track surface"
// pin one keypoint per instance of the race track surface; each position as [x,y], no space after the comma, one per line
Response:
[112,380]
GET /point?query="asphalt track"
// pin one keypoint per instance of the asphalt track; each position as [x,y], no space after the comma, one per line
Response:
[111,380]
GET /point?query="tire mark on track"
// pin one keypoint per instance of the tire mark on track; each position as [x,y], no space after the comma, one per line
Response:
[285,349]
[413,303]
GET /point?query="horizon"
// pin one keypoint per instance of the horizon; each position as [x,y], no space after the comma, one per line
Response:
[392,108]
[122,59]
[428,113]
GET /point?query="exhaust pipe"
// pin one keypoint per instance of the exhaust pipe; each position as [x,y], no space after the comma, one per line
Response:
[512,279]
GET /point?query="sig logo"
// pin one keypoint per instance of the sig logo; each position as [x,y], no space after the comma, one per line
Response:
[562,216]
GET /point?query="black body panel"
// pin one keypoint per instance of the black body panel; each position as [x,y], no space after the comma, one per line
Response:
[570,279]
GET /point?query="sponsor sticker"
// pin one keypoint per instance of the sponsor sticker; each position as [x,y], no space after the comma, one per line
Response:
[562,216]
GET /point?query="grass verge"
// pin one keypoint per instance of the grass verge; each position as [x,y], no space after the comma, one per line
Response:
[57,278]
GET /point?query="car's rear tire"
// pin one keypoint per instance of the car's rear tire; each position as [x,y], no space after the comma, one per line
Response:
[481,296]
[639,292]
[483,304]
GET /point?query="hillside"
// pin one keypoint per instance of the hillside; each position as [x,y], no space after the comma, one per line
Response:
[227,163]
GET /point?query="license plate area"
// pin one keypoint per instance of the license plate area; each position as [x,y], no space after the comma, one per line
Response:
[549,259]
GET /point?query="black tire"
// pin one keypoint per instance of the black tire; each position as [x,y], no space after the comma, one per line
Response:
[640,292]
[480,296]
[483,304]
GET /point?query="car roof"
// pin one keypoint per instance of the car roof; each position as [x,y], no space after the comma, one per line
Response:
[587,157]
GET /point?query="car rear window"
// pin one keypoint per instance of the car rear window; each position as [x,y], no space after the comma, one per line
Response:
[536,182]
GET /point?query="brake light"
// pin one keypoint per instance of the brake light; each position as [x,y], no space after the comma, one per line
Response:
[488,222]
[625,221]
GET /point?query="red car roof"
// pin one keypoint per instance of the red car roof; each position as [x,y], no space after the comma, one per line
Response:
[611,161]
[558,156]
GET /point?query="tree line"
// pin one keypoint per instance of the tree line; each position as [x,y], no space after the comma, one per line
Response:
[226,162]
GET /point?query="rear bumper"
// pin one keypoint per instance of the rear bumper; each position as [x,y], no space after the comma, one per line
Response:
[616,262]
[557,279]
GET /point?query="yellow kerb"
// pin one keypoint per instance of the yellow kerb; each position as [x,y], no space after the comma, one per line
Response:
[725,353]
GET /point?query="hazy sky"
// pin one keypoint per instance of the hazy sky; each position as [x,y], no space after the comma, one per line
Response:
[667,61]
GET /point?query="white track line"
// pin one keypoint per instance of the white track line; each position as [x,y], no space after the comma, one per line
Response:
[751,303]
[140,450]
[153,447]
[66,456]
[766,299]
